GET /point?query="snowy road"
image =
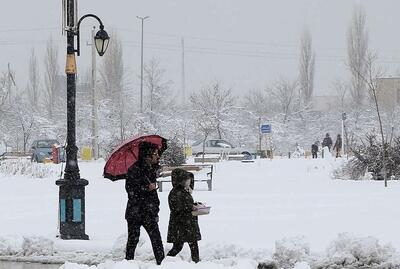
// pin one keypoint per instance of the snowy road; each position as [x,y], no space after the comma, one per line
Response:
[253,206]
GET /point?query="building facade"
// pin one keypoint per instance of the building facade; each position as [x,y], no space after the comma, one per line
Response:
[388,92]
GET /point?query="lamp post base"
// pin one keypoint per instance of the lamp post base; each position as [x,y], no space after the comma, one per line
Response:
[75,237]
[72,209]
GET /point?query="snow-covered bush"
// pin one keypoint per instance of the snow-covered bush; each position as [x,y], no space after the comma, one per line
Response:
[24,167]
[289,251]
[9,246]
[174,154]
[37,245]
[368,159]
[357,252]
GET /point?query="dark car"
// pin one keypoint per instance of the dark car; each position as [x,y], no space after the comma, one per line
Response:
[42,149]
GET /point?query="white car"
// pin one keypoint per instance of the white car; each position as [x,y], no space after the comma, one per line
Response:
[217,146]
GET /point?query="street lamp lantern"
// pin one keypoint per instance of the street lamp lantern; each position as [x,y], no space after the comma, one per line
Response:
[101,41]
[72,186]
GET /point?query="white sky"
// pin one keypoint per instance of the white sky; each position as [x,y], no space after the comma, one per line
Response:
[244,44]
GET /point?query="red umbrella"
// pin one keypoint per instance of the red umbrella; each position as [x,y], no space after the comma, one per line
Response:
[127,154]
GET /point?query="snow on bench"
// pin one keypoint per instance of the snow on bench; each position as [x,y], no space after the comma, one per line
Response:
[166,172]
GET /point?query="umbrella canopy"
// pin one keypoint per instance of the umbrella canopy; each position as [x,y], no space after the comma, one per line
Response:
[127,154]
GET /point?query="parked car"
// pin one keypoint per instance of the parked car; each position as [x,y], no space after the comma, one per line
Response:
[218,146]
[42,149]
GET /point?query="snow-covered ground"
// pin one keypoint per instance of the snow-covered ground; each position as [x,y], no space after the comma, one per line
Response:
[283,210]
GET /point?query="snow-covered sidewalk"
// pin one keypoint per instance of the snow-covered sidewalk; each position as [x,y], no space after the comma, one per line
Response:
[285,210]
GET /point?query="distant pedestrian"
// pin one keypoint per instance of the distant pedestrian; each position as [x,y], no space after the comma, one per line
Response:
[327,142]
[314,150]
[143,203]
[183,226]
[338,146]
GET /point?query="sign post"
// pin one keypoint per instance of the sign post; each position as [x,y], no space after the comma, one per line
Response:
[265,129]
[343,119]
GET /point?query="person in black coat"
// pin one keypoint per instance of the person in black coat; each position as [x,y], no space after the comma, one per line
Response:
[183,226]
[143,203]
[314,150]
[327,142]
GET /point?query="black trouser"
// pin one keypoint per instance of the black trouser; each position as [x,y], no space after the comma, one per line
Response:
[151,227]
[314,155]
[194,250]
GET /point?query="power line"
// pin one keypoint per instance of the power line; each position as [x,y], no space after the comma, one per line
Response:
[250,53]
[28,30]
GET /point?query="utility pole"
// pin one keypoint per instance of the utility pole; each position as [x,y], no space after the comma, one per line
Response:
[95,131]
[183,72]
[259,134]
[141,66]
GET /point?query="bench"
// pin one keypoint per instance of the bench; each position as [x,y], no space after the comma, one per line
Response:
[166,172]
[206,159]
[15,155]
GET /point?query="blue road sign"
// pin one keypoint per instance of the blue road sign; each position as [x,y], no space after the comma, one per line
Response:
[265,128]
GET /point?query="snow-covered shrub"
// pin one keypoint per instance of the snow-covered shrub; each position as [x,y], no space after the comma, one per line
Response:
[24,167]
[37,245]
[289,251]
[351,170]
[368,159]
[174,154]
[9,246]
[357,252]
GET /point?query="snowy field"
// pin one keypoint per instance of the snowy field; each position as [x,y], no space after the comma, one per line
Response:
[289,211]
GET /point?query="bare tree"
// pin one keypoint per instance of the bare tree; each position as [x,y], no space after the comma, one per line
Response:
[342,90]
[157,88]
[25,121]
[4,91]
[371,79]
[284,93]
[257,102]
[215,105]
[357,47]
[33,83]
[52,72]
[112,77]
[307,68]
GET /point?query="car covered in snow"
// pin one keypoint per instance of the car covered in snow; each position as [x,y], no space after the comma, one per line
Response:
[42,149]
[218,146]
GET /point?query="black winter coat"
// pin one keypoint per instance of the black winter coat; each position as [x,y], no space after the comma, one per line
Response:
[142,203]
[327,142]
[183,226]
[314,148]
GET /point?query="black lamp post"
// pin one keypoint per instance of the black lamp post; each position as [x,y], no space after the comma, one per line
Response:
[72,186]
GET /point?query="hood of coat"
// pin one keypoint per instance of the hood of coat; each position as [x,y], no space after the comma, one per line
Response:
[179,177]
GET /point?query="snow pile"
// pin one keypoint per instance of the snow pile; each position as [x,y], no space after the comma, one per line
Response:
[168,263]
[221,251]
[26,246]
[358,252]
[37,245]
[119,248]
[24,167]
[302,265]
[289,251]
[9,246]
